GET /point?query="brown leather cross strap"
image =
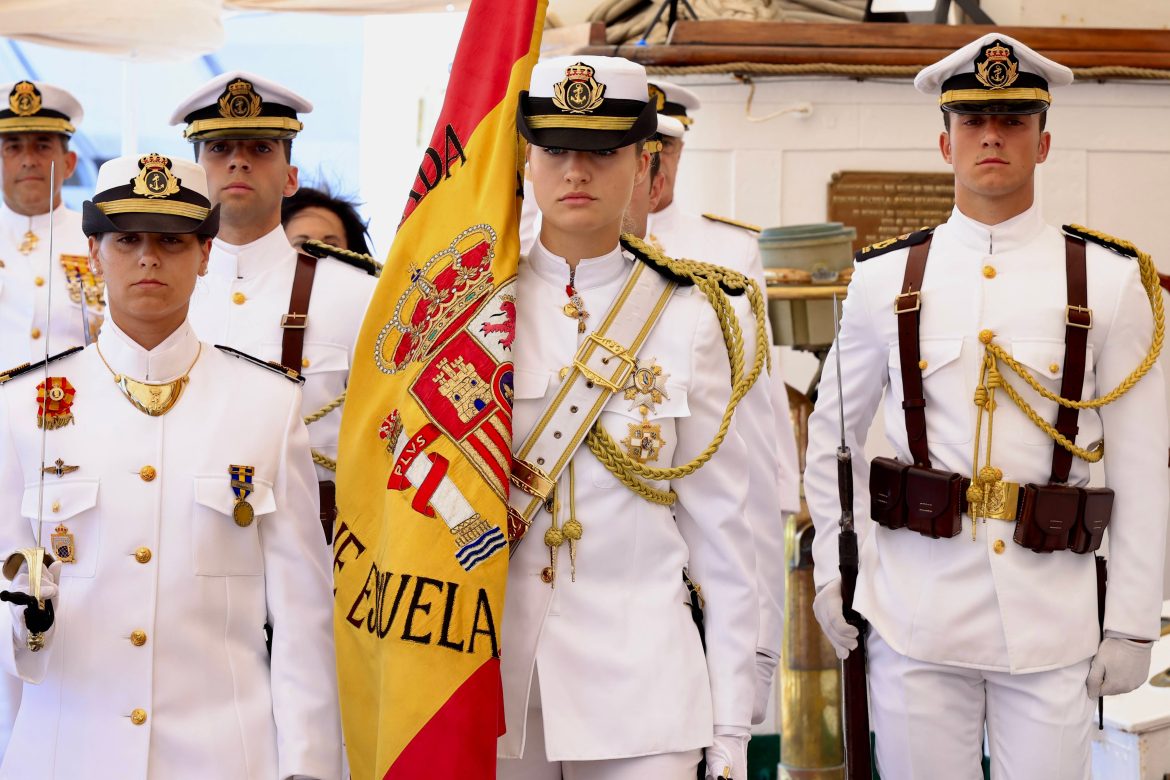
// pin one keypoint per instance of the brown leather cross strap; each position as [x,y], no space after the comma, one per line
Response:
[1078,319]
[294,323]
[908,307]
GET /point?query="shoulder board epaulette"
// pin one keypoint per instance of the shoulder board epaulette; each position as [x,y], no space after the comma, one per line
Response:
[1120,246]
[890,244]
[271,365]
[358,260]
[683,272]
[12,373]
[733,222]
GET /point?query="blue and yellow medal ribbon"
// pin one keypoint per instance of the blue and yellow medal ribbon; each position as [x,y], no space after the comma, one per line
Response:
[242,512]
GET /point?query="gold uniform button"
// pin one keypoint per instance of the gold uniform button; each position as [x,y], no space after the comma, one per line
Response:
[142,555]
[138,638]
[138,717]
[239,298]
[922,364]
[304,362]
[1054,368]
[985,336]
[36,333]
[547,574]
[56,506]
[39,281]
[998,546]
[147,473]
[989,271]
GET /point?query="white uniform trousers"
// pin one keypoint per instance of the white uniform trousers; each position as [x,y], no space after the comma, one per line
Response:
[929,720]
[535,766]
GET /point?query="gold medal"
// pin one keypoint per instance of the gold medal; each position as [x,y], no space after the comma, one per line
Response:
[571,310]
[243,513]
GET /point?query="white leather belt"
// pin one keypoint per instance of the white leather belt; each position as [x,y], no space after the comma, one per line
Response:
[603,365]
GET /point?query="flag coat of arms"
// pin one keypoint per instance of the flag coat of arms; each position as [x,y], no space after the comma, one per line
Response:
[420,547]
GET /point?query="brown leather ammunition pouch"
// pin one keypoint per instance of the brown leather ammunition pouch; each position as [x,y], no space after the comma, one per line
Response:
[887,492]
[1058,517]
[1096,511]
[922,499]
[934,502]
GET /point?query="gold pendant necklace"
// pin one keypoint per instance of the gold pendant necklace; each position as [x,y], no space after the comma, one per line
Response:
[29,240]
[152,398]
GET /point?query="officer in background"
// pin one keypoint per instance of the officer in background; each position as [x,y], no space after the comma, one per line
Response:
[179,502]
[259,295]
[36,122]
[319,215]
[976,575]
[775,472]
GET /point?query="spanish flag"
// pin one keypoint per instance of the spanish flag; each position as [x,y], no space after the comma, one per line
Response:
[421,543]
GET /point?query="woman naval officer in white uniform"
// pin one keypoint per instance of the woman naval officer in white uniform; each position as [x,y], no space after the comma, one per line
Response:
[181,505]
[603,668]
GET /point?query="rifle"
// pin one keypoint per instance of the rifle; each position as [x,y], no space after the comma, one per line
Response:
[853,684]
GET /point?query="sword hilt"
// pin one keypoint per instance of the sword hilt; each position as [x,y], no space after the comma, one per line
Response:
[38,614]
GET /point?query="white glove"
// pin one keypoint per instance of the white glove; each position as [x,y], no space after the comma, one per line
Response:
[1120,666]
[828,607]
[727,757]
[20,584]
[765,671]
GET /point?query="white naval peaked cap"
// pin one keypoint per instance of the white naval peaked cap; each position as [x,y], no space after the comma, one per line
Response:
[994,74]
[671,127]
[37,107]
[675,101]
[587,103]
[623,79]
[240,105]
[150,193]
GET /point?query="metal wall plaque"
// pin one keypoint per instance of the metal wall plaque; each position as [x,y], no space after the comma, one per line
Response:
[882,205]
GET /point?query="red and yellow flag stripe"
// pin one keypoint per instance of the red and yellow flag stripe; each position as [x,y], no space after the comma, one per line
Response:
[420,548]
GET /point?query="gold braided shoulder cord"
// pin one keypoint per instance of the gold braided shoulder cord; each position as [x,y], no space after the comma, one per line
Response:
[320,458]
[1149,277]
[707,278]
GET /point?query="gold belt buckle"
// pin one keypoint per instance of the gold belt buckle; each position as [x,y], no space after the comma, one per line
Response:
[627,367]
[1002,500]
[531,479]
[294,321]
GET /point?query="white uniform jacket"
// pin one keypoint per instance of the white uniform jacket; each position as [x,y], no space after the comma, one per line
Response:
[980,603]
[762,418]
[621,665]
[25,282]
[157,667]
[246,292]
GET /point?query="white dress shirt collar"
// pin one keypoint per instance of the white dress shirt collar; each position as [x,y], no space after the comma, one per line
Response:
[16,225]
[591,271]
[166,362]
[243,261]
[992,239]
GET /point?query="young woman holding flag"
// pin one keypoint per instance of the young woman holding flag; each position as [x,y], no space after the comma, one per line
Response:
[627,476]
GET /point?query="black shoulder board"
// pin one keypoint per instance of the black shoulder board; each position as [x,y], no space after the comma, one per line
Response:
[271,365]
[12,373]
[1105,240]
[635,247]
[365,263]
[890,244]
